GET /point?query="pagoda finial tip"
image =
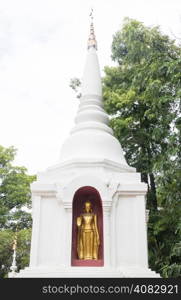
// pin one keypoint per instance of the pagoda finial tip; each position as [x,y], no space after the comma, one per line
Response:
[91,14]
[92,43]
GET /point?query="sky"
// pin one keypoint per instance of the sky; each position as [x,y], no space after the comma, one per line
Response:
[42,46]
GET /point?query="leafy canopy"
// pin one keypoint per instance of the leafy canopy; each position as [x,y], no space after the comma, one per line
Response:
[14,192]
[142,95]
[14,214]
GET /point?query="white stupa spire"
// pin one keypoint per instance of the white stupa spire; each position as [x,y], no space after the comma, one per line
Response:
[92,138]
[91,113]
[91,83]
[13,267]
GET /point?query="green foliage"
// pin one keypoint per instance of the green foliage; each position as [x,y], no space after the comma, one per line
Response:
[142,94]
[165,225]
[14,211]
[164,235]
[6,241]
[6,252]
[14,192]
[23,248]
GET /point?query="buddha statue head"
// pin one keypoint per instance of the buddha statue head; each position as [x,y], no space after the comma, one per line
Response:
[88,207]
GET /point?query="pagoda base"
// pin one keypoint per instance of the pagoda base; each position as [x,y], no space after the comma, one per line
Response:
[87,272]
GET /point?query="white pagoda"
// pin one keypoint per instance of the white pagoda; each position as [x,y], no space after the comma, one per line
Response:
[91,168]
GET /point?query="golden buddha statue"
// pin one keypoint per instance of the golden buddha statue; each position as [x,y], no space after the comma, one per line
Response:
[88,235]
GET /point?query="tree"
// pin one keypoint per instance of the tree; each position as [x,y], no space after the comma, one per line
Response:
[165,224]
[6,241]
[6,253]
[141,93]
[14,192]
[14,211]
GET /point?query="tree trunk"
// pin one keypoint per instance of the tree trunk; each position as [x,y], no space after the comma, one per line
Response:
[153,191]
[144,177]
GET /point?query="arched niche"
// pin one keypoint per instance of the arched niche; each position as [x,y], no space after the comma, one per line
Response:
[80,197]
